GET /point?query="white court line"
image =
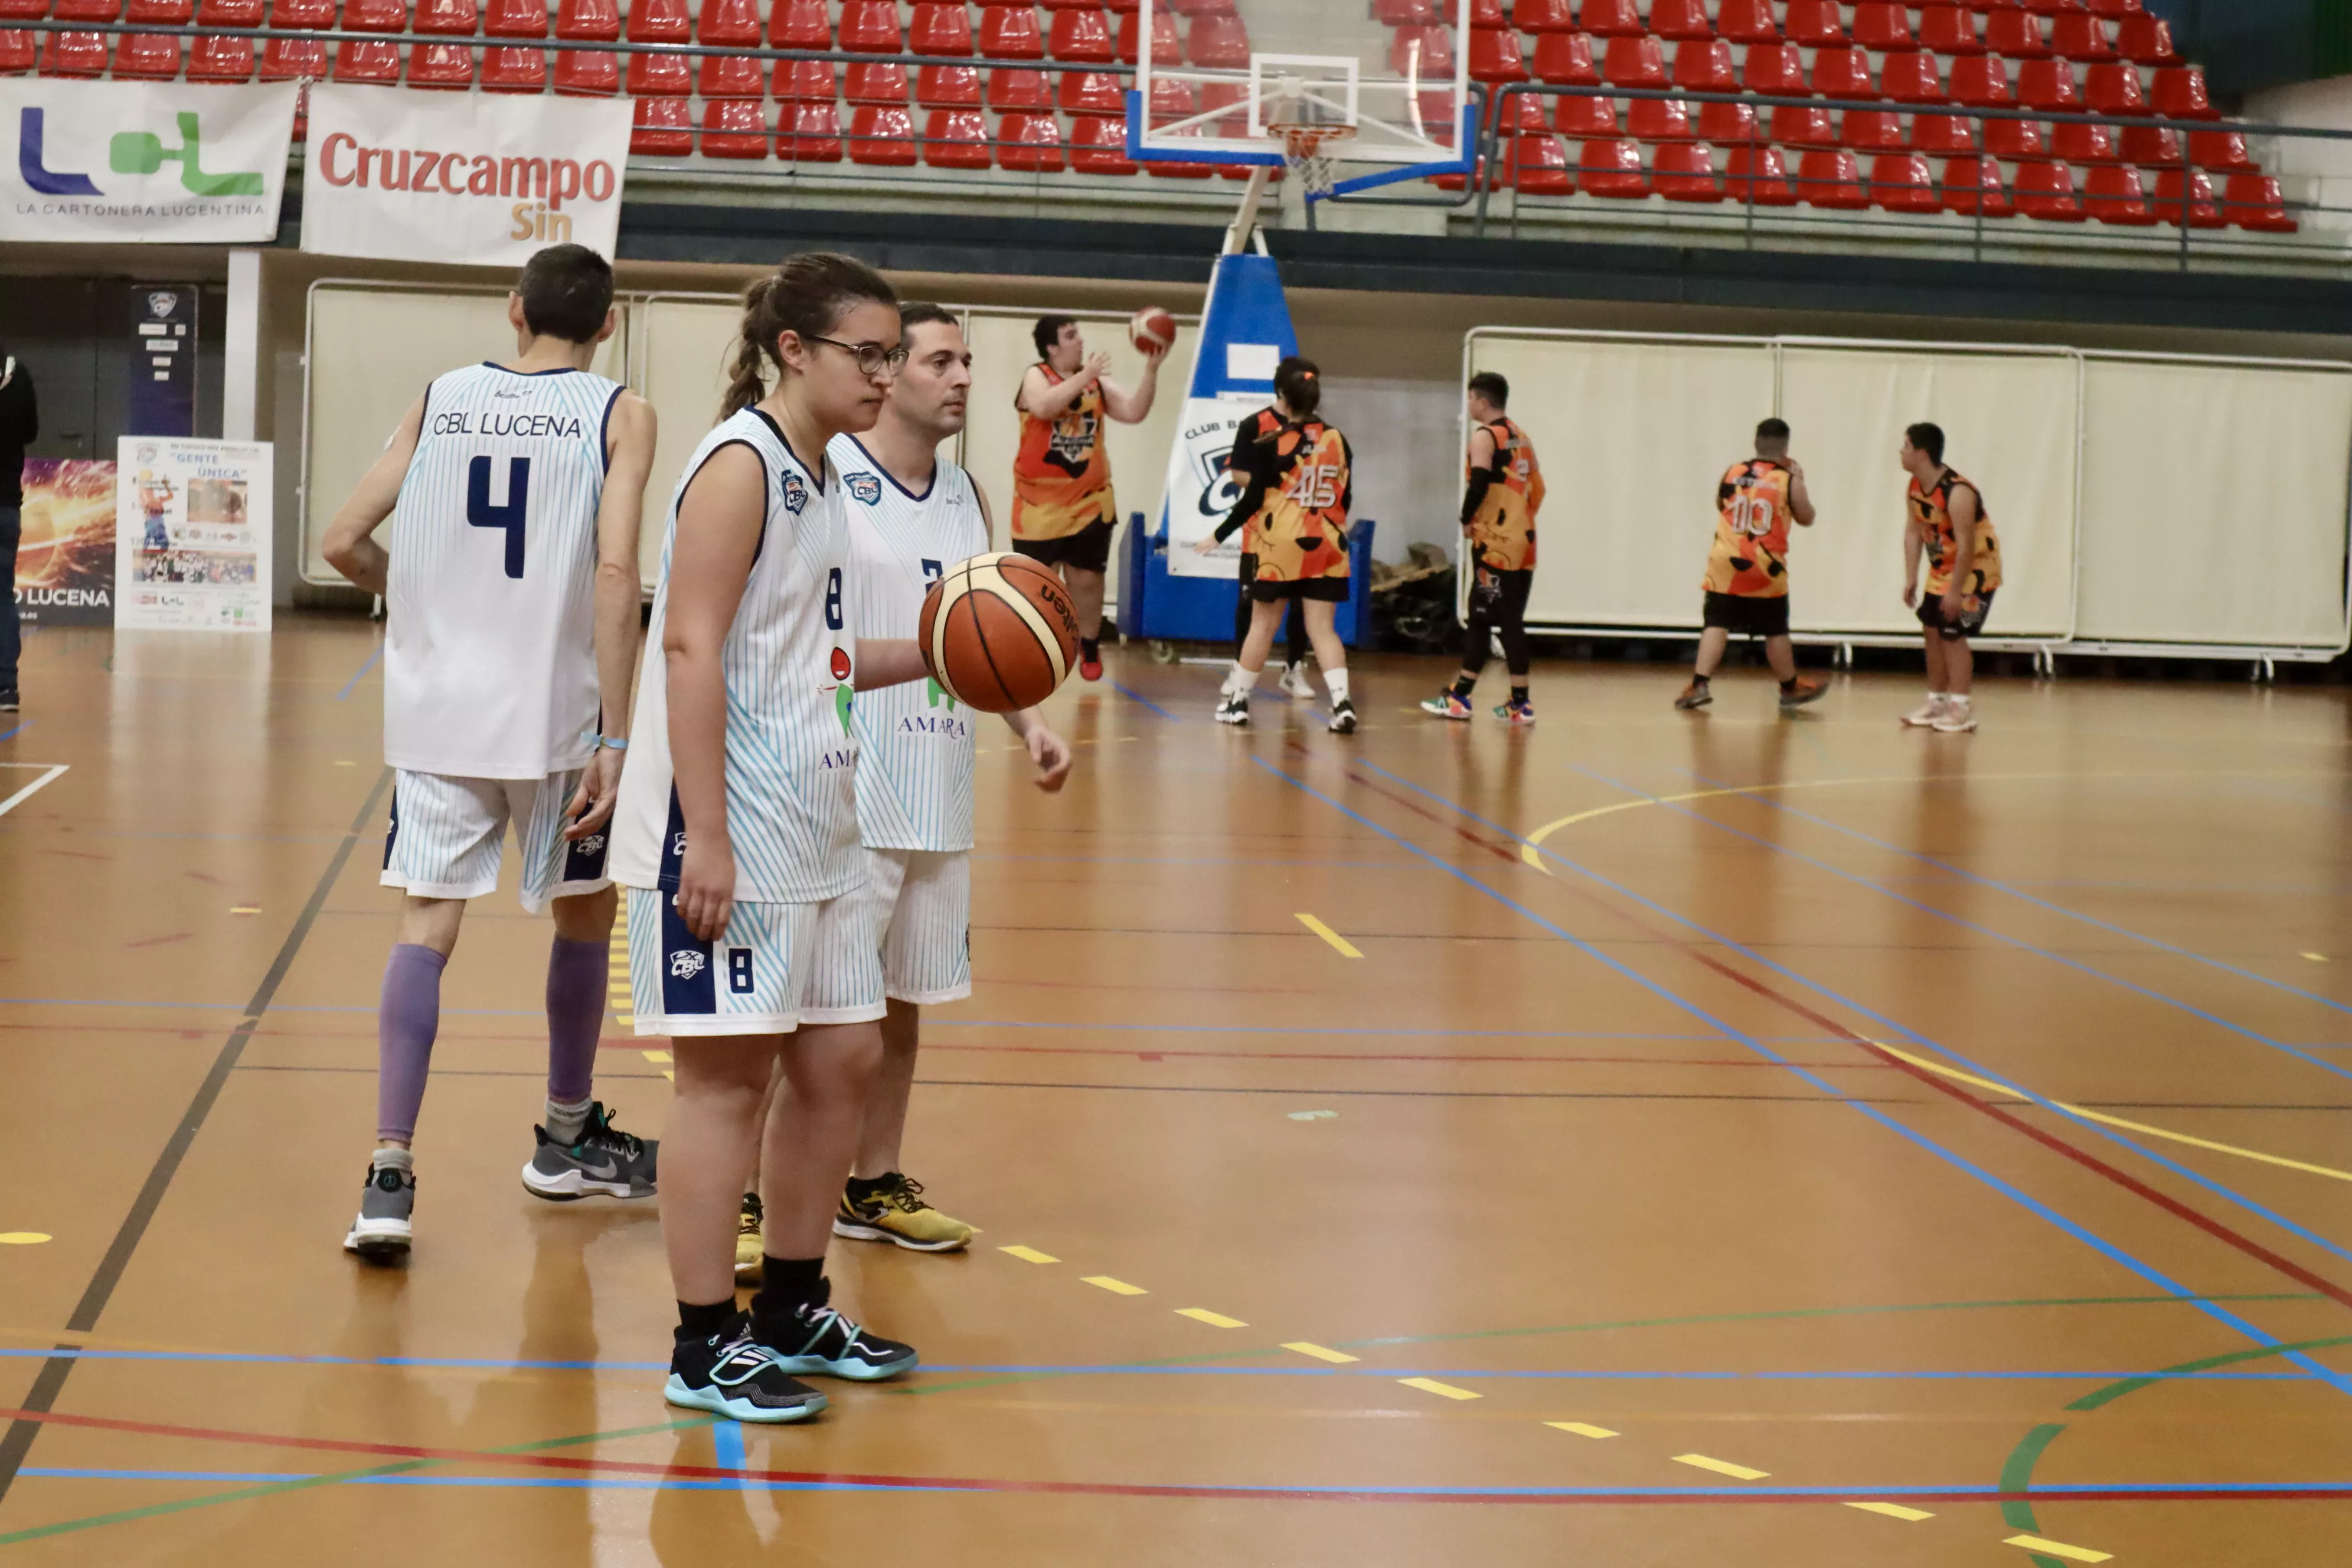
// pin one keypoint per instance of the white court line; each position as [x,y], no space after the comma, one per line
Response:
[57,770]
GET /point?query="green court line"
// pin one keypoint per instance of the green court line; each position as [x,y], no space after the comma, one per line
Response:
[1790,1312]
[273,1489]
[2017,1472]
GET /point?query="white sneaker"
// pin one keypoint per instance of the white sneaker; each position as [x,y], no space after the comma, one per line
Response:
[1232,708]
[1924,717]
[1957,719]
[1294,682]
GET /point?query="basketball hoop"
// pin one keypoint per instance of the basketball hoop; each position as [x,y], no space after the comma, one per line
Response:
[1304,149]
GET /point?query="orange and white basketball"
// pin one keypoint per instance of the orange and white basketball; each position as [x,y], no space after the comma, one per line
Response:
[998,631]
[1153,331]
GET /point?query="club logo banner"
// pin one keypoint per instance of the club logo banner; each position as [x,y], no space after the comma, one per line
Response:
[151,162]
[481,178]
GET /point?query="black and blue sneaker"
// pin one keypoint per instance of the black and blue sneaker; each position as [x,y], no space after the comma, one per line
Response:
[814,1338]
[731,1373]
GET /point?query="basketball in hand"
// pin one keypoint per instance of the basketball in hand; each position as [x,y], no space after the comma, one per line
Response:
[1153,331]
[998,631]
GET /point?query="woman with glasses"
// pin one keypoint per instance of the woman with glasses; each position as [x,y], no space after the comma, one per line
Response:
[737,837]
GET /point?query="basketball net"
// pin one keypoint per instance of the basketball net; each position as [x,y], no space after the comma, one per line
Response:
[1306,150]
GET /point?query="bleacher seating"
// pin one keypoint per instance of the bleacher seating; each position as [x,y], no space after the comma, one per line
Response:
[1910,154]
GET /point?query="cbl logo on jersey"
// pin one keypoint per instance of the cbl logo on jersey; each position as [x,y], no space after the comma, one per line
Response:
[866,488]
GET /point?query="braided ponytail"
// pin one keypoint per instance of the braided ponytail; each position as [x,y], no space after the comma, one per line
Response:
[808,294]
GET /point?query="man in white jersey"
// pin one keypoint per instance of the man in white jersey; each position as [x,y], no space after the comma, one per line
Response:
[511,592]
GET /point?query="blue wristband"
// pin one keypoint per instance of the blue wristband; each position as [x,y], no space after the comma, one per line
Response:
[612,743]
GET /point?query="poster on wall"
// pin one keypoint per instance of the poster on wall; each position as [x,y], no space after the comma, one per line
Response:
[142,162]
[485,178]
[163,368]
[1200,489]
[65,560]
[192,523]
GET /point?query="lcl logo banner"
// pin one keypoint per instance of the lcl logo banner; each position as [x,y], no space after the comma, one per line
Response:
[143,162]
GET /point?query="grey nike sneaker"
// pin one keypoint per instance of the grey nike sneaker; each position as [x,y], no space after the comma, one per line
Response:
[381,1232]
[606,1160]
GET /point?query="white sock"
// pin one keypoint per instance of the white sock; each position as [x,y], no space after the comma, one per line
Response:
[563,1122]
[397,1159]
[1337,679]
[1958,699]
[1240,682]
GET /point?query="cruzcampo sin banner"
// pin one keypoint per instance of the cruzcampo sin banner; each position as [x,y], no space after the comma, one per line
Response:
[153,162]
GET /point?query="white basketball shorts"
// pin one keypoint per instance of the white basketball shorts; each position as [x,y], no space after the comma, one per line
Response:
[754,980]
[914,920]
[448,836]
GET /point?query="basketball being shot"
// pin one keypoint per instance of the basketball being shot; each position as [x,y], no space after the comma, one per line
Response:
[893,800]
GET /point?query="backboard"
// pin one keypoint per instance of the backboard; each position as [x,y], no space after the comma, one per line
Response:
[1224,75]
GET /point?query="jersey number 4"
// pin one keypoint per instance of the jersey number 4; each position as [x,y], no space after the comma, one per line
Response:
[512,515]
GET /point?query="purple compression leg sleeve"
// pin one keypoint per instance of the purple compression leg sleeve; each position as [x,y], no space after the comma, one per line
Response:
[405,1022]
[576,977]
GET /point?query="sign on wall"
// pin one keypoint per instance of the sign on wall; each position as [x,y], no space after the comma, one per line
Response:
[153,162]
[65,560]
[192,535]
[163,369]
[482,178]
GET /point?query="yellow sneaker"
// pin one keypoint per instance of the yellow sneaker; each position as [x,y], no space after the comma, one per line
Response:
[751,1249]
[897,1213]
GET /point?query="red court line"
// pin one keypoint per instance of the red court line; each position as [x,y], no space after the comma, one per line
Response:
[2321,1492]
[2051,1141]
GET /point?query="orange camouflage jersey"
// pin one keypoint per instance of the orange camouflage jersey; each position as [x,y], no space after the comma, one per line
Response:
[1750,554]
[1299,531]
[1504,529]
[1061,474]
[1932,510]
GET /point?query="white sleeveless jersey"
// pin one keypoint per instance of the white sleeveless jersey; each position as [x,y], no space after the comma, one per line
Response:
[490,666]
[792,754]
[914,742]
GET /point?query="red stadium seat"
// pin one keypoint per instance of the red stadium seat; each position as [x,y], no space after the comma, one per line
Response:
[1813,23]
[941,29]
[507,68]
[1029,93]
[1010,32]
[1872,131]
[1981,82]
[1167,46]
[664,129]
[871,28]
[800,25]
[2187,193]
[1659,120]
[650,22]
[2049,84]
[1538,166]
[2114,89]
[1483,13]
[1612,169]
[724,76]
[1883,28]
[1843,73]
[209,59]
[1587,119]
[1949,31]
[2079,143]
[1518,114]
[1775,70]
[958,139]
[1538,17]
[1679,21]
[583,73]
[528,19]
[2223,151]
[1705,65]
[814,135]
[1684,172]
[883,135]
[1092,92]
[2147,40]
[1943,135]
[1098,146]
[1424,52]
[2113,194]
[866,82]
[288,60]
[1747,21]
[1972,188]
[941,87]
[1494,56]
[2082,38]
[376,62]
[230,13]
[2116,7]
[815,81]
[162,13]
[1611,19]
[1636,62]
[1909,76]
[147,57]
[1804,128]
[1033,141]
[1759,176]
[1904,183]
[658,76]
[2046,191]
[1565,59]
[723,22]
[1728,124]
[375,15]
[1082,38]
[2180,94]
[736,127]
[443,68]
[1832,181]
[456,19]
[1215,42]
[2015,140]
[2017,36]
[2151,146]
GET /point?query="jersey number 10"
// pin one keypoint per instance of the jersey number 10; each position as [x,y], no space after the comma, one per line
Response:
[511,516]
[1753,515]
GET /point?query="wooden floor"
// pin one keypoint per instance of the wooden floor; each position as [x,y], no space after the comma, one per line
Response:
[1649,1138]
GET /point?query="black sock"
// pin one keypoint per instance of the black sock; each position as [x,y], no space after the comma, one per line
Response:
[786,1283]
[695,1323]
[1087,649]
[1698,679]
[1790,684]
[1464,685]
[1518,691]
[863,1191]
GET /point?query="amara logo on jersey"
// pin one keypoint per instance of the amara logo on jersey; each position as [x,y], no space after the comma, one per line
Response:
[943,725]
[844,758]
[795,494]
[866,487]
[685,964]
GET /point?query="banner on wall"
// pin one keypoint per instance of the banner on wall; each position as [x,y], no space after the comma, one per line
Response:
[192,523]
[1245,334]
[163,370]
[151,162]
[65,561]
[481,178]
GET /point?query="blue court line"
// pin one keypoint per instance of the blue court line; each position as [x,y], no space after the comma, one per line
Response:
[727,1451]
[2000,887]
[2341,1382]
[2219,1189]
[2054,1491]
[1114,686]
[28,723]
[360,673]
[1157,1369]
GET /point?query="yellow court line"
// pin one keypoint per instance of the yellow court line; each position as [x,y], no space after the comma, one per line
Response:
[1320,1352]
[1442,1390]
[2059,1549]
[2316,957]
[23,1238]
[1721,1467]
[1214,1319]
[658,1055]
[2140,1127]
[1116,1286]
[1582,1428]
[1346,949]
[1894,1511]
[1030,1255]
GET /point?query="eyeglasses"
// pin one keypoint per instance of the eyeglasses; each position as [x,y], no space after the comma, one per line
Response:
[873,358]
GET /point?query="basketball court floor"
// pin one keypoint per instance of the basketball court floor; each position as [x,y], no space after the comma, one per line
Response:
[1647,1139]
